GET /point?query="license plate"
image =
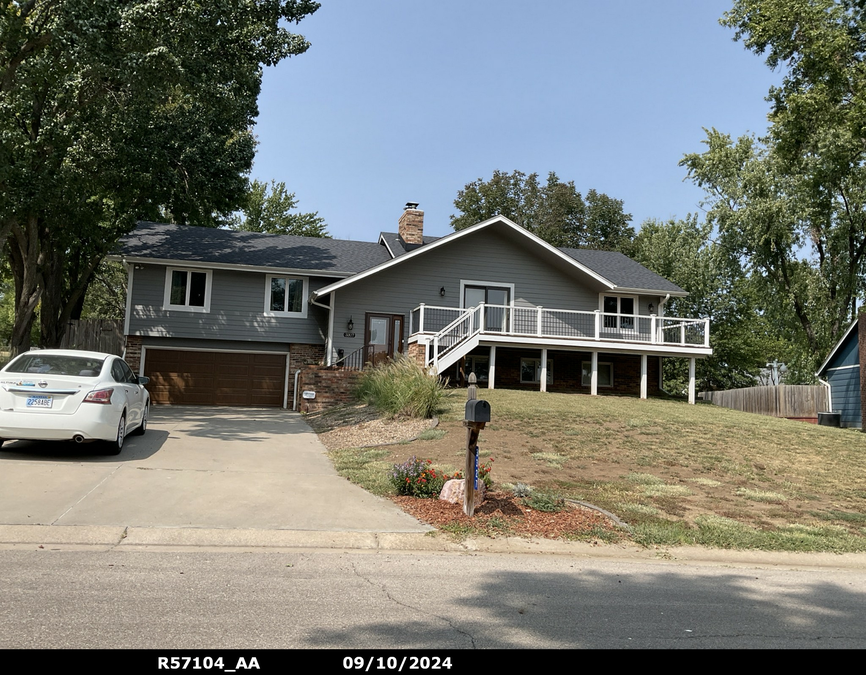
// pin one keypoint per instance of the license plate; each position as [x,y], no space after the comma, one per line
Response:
[39,401]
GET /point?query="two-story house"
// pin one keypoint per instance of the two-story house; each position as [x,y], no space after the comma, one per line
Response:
[226,318]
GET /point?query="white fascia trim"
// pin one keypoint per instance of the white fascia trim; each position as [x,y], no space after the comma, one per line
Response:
[455,236]
[567,344]
[836,348]
[384,242]
[305,292]
[646,291]
[233,268]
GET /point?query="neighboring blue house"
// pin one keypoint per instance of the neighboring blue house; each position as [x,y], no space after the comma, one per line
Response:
[216,317]
[841,370]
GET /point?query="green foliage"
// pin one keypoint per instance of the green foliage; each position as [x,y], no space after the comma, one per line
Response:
[270,212]
[401,387]
[484,469]
[112,111]
[742,338]
[793,204]
[544,501]
[556,211]
[106,293]
[417,478]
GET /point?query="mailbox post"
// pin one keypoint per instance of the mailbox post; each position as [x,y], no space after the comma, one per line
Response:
[477,415]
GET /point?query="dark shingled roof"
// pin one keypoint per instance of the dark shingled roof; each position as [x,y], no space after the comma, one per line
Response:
[621,270]
[398,246]
[208,245]
[161,241]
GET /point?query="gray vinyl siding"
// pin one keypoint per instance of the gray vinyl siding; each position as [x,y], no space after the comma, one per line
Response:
[487,257]
[845,388]
[236,311]
[842,372]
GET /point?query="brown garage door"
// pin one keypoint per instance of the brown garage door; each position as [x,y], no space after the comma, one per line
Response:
[215,378]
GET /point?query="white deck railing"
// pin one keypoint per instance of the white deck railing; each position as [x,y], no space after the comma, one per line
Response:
[449,326]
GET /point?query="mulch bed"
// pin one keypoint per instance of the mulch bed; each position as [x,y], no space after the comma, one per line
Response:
[510,517]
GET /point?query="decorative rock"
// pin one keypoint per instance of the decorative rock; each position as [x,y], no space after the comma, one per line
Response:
[452,491]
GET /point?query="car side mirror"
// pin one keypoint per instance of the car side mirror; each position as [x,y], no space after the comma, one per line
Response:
[142,380]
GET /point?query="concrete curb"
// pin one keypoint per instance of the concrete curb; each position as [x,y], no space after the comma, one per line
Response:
[117,538]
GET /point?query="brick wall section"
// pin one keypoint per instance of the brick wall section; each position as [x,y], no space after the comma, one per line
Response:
[301,356]
[861,346]
[415,351]
[411,226]
[133,352]
[332,387]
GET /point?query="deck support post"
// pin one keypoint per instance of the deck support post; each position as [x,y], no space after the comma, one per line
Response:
[543,374]
[643,376]
[593,379]
[692,380]
[491,368]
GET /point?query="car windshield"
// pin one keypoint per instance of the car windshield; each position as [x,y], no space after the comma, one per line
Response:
[55,364]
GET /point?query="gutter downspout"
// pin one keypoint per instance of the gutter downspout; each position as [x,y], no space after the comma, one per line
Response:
[329,341]
[295,401]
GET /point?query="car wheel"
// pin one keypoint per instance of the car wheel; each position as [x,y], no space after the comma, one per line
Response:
[141,428]
[115,446]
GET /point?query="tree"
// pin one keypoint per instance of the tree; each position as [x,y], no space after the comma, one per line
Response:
[556,211]
[271,213]
[793,204]
[740,335]
[114,110]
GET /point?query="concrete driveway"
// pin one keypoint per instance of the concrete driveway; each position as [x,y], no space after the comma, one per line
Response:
[197,467]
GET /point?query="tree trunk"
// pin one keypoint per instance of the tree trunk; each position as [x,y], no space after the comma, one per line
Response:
[24,262]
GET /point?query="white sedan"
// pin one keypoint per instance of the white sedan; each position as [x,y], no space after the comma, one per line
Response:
[55,395]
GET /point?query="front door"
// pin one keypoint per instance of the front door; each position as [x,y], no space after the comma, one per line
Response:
[383,337]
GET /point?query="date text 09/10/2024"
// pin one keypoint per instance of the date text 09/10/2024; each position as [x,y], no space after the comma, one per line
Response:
[361,663]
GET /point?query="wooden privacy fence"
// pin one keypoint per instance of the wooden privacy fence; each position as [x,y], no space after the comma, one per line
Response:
[782,400]
[96,335]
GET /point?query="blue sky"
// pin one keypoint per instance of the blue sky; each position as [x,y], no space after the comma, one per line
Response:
[399,100]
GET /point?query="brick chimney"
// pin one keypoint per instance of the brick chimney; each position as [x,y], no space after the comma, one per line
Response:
[411,225]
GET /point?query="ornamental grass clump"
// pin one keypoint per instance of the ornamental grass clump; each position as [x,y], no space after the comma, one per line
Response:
[417,478]
[401,387]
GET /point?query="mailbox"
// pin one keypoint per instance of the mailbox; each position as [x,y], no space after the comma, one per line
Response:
[477,411]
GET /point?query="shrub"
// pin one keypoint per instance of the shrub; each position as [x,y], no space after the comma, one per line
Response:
[417,478]
[401,387]
[542,501]
[484,472]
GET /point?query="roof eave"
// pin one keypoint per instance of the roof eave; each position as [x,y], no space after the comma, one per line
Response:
[836,347]
[228,266]
[651,291]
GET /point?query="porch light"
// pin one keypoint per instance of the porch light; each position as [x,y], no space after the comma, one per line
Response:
[350,325]
[442,292]
[651,307]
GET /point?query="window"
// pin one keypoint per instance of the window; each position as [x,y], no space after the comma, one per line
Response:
[605,374]
[530,370]
[473,293]
[616,304]
[285,296]
[188,290]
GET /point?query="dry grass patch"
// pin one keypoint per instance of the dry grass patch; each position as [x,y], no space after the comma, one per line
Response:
[773,477]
